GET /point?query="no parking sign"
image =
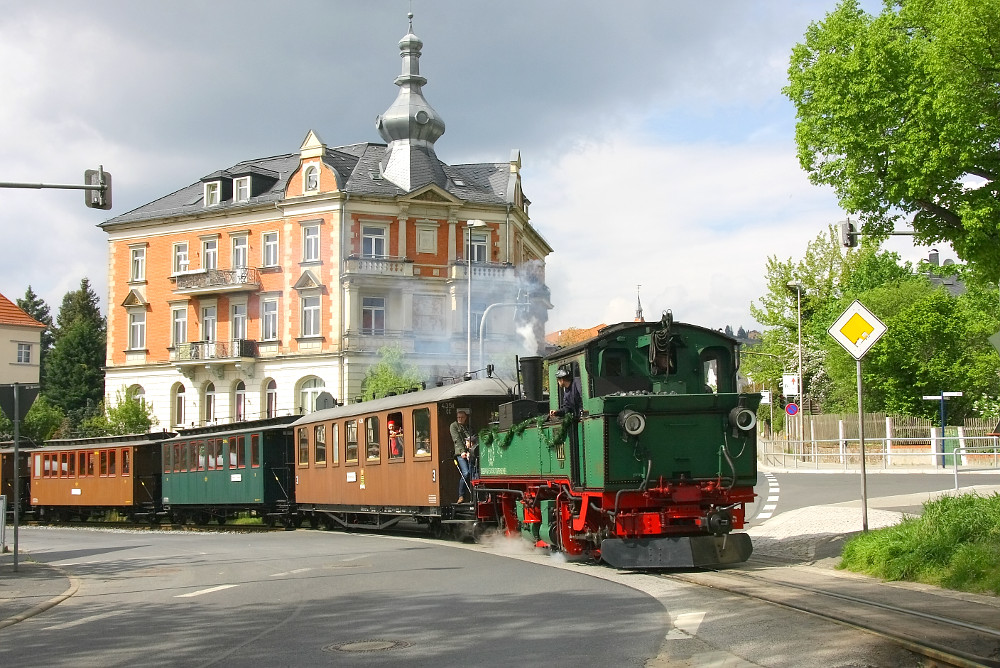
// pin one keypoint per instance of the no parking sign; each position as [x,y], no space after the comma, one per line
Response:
[792,408]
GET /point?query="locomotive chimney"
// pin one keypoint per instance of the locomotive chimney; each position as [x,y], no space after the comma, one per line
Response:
[531,378]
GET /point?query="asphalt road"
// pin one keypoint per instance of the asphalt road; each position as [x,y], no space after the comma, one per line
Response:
[799,490]
[314,598]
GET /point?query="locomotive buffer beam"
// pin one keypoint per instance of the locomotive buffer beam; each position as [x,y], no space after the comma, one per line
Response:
[677,551]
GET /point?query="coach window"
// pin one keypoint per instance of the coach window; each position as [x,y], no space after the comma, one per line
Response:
[394,435]
[255,451]
[201,455]
[126,470]
[303,446]
[178,462]
[104,463]
[82,458]
[90,464]
[422,432]
[241,452]
[38,466]
[208,455]
[63,465]
[72,465]
[319,444]
[111,462]
[371,439]
[335,442]
[220,459]
[169,465]
[351,437]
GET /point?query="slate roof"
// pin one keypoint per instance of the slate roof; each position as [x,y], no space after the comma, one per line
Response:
[358,173]
[11,314]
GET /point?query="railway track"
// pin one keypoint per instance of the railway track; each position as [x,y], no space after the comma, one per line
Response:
[165,526]
[948,628]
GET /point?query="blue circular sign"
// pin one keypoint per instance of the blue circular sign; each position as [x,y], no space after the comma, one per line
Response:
[792,409]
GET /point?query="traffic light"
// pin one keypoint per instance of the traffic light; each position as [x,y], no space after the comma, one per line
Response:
[848,234]
[97,199]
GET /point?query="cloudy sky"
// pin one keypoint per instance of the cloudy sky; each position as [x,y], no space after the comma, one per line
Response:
[657,148]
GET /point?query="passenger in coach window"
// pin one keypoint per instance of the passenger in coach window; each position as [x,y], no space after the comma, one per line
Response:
[461,435]
[395,440]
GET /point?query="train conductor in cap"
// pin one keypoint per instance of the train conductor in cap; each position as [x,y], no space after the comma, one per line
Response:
[570,403]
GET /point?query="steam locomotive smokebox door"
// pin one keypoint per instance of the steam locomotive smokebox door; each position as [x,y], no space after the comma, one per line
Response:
[517,411]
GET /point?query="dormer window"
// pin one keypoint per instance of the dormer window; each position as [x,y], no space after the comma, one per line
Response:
[212,193]
[311,180]
[241,189]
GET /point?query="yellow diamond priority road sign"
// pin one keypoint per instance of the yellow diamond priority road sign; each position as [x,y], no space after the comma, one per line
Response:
[857,330]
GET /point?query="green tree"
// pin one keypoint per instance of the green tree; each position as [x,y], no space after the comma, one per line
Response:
[36,307]
[900,114]
[75,378]
[81,304]
[389,374]
[41,422]
[131,414]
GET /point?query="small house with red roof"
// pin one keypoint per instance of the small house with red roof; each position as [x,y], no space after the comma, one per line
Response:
[20,344]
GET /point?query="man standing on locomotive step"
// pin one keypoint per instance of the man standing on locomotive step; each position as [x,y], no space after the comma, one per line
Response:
[571,403]
[462,438]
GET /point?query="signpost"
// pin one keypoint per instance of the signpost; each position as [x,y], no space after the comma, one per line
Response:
[857,330]
[942,397]
[15,400]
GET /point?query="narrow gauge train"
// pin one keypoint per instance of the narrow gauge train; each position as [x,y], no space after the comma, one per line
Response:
[85,477]
[658,468]
[212,473]
[375,463]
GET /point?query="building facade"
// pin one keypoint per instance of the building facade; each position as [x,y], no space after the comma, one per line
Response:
[20,344]
[253,291]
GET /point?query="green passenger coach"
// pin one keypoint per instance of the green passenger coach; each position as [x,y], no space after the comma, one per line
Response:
[213,473]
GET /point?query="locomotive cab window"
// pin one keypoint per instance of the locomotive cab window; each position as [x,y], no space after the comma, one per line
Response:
[394,433]
[716,371]
[374,449]
[422,432]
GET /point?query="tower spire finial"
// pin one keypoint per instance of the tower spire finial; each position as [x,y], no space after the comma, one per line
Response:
[638,305]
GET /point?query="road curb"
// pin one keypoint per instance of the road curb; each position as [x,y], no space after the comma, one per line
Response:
[74,586]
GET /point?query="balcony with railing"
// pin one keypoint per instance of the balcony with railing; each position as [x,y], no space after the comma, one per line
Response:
[208,281]
[209,352]
[484,271]
[366,265]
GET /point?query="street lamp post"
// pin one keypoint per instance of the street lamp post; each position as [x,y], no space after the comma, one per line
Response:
[469,226]
[797,286]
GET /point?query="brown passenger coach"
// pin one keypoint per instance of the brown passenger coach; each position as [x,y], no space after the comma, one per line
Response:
[372,464]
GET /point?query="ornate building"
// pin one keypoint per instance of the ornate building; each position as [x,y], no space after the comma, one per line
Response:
[251,292]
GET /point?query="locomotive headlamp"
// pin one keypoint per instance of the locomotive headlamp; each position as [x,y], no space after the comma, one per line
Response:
[632,422]
[742,418]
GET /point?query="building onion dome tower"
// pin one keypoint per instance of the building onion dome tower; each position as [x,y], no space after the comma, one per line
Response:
[411,126]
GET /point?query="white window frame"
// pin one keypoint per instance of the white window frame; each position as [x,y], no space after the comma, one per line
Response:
[179,326]
[209,323]
[271,399]
[137,268]
[310,323]
[182,260]
[269,319]
[374,306]
[238,321]
[209,403]
[210,253]
[309,392]
[311,173]
[213,193]
[374,240]
[137,329]
[477,247]
[24,353]
[269,249]
[241,252]
[310,243]
[241,189]
[180,409]
[240,401]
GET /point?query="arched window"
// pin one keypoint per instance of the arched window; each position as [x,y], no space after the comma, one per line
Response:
[240,402]
[210,403]
[308,391]
[179,408]
[312,178]
[271,399]
[135,392]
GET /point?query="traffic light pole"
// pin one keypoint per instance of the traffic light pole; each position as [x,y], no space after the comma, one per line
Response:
[97,187]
